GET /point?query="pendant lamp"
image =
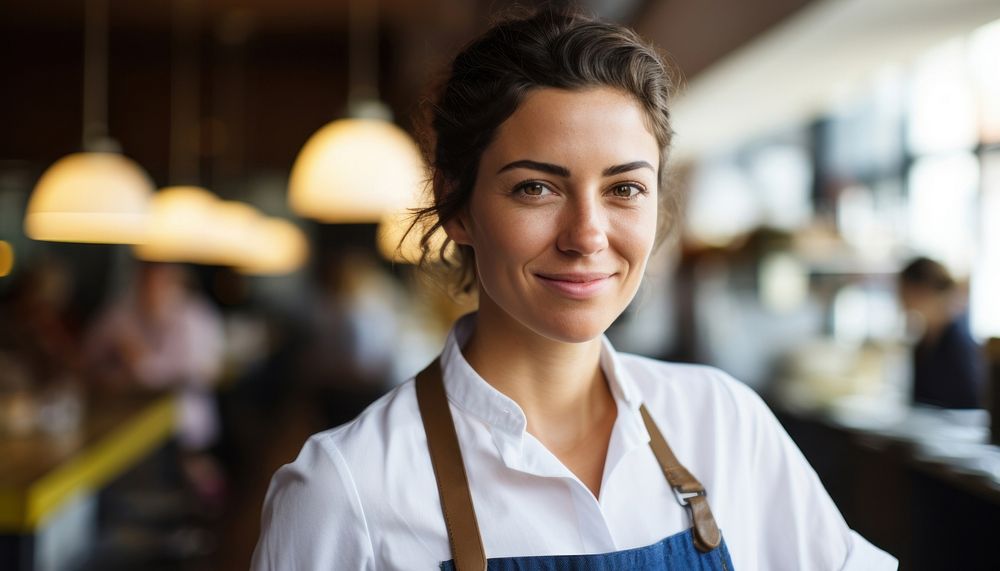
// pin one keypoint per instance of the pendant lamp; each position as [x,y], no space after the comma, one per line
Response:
[280,248]
[98,195]
[230,238]
[181,216]
[179,219]
[360,168]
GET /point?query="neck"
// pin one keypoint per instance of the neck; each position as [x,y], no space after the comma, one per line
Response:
[559,386]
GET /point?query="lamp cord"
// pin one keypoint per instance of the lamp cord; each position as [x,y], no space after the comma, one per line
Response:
[95,73]
[363,51]
[185,90]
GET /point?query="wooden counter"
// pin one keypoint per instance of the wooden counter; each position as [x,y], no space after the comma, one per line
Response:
[930,512]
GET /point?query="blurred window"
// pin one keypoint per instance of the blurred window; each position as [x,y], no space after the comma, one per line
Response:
[872,219]
[723,203]
[984,57]
[985,287]
[942,209]
[862,140]
[862,312]
[942,102]
[783,177]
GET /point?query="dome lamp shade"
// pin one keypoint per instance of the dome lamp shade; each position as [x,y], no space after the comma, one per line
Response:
[95,197]
[179,222]
[281,248]
[232,231]
[355,170]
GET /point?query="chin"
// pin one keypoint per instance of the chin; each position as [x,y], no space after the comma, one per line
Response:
[575,327]
[554,319]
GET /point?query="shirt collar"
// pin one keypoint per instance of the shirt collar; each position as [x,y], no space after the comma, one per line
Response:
[468,391]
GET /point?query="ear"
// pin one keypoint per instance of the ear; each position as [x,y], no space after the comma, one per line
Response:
[458,229]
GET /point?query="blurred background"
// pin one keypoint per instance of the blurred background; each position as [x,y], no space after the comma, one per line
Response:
[200,202]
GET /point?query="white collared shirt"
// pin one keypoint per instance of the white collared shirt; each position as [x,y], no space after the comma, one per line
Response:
[363,495]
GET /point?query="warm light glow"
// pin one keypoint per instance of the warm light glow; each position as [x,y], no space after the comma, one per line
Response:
[6,258]
[233,232]
[392,245]
[189,224]
[281,248]
[90,197]
[355,170]
[179,225]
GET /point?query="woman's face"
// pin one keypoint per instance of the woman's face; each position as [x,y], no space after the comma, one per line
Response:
[562,217]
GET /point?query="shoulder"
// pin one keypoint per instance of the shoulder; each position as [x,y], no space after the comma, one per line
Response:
[667,385]
[359,451]
[708,416]
[720,427]
[321,507]
[392,417]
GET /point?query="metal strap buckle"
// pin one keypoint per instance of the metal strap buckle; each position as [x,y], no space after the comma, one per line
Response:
[683,497]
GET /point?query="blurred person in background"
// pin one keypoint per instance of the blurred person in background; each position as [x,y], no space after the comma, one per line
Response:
[161,335]
[38,325]
[348,360]
[949,369]
[39,349]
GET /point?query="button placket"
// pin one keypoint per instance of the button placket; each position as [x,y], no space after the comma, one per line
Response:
[595,532]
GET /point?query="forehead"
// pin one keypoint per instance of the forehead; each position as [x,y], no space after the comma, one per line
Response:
[579,126]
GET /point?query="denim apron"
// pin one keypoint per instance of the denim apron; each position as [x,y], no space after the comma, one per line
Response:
[699,548]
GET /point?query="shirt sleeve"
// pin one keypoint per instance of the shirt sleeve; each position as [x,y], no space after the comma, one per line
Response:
[864,556]
[800,525]
[312,517]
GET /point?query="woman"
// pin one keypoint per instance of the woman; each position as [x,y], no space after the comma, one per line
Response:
[552,451]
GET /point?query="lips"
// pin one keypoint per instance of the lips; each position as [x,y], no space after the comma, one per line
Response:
[576,285]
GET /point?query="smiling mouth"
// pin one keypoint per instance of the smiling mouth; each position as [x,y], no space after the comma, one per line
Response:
[576,285]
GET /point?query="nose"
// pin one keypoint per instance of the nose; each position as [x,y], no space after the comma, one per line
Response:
[583,228]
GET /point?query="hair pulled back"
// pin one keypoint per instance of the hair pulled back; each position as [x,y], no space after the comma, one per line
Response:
[490,78]
[927,274]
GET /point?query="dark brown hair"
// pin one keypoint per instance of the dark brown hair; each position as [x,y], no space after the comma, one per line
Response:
[490,78]
[926,274]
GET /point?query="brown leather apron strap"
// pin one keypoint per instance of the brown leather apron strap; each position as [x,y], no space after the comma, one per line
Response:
[453,484]
[449,471]
[687,489]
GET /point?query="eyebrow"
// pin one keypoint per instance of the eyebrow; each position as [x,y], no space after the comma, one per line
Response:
[564,172]
[634,165]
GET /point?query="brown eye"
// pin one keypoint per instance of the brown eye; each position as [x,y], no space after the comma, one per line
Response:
[628,191]
[533,189]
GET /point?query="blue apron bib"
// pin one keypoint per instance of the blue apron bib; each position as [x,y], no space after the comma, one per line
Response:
[698,548]
[675,553]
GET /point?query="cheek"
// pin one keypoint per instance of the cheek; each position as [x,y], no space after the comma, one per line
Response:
[510,235]
[636,234]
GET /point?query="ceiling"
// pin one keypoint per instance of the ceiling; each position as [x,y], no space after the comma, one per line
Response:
[274,72]
[800,67]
